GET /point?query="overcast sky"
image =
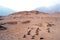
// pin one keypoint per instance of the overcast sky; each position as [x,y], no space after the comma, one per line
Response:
[21,5]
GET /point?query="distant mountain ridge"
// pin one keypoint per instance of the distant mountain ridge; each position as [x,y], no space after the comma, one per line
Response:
[52,9]
[5,11]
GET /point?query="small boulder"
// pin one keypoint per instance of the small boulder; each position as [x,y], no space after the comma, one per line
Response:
[2,27]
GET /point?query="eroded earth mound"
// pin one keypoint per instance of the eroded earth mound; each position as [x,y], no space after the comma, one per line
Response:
[30,25]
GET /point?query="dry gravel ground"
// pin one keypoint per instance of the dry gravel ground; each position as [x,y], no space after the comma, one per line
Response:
[30,25]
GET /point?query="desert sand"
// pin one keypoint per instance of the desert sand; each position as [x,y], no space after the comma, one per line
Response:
[30,25]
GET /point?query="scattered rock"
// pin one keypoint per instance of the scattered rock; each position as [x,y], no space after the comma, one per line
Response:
[41,38]
[50,25]
[26,22]
[37,31]
[33,37]
[11,23]
[1,19]
[2,27]
[29,32]
[24,36]
[48,30]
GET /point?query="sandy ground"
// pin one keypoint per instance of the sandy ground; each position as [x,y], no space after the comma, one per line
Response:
[31,25]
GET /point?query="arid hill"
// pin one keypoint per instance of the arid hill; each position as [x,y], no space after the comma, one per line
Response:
[30,25]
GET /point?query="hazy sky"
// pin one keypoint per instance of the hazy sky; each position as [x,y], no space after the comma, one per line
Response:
[21,5]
